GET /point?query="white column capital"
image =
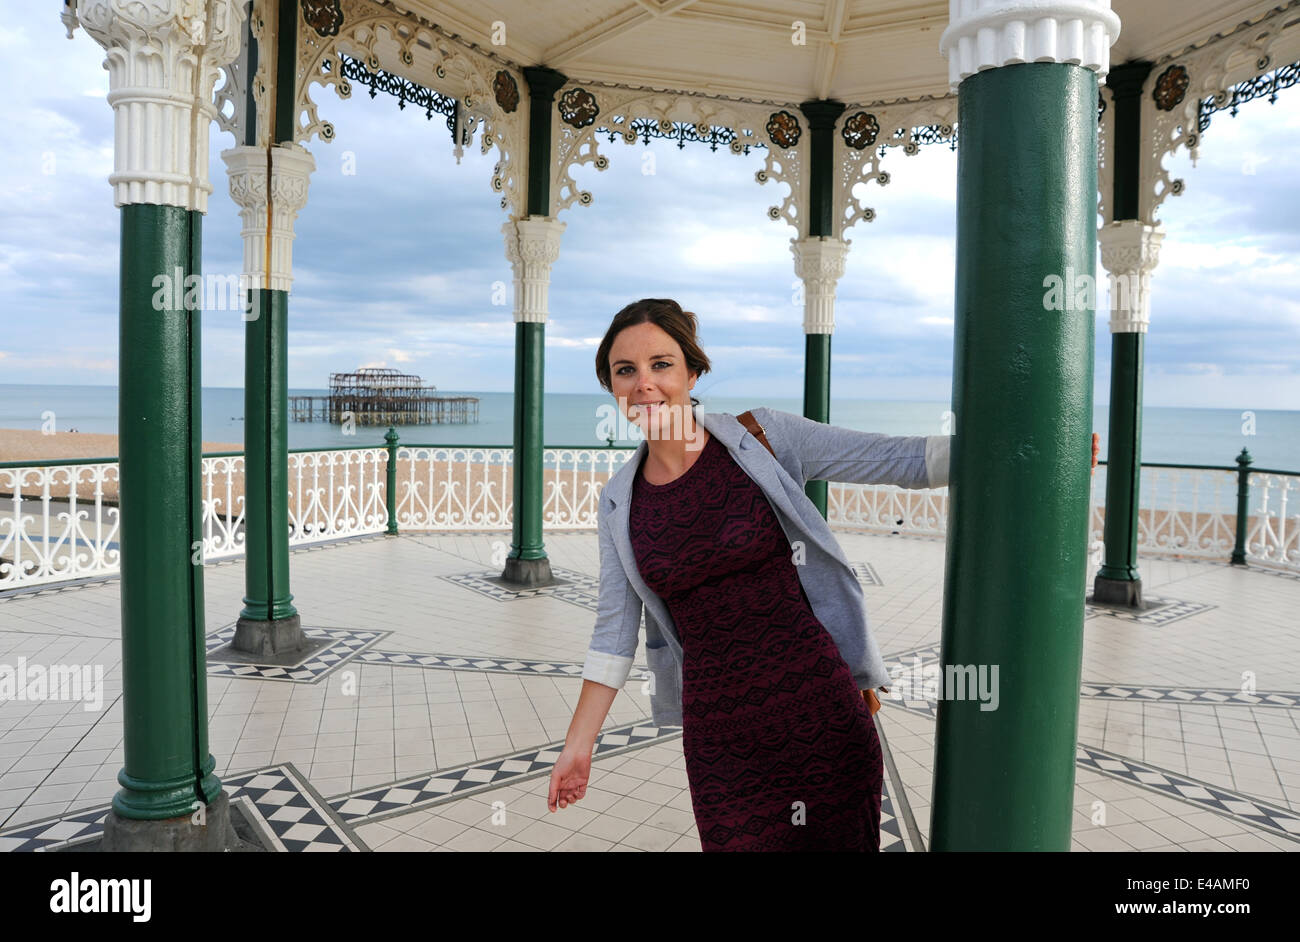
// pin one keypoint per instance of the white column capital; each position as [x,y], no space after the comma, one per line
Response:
[291,168]
[988,34]
[532,246]
[1130,249]
[819,262]
[162,58]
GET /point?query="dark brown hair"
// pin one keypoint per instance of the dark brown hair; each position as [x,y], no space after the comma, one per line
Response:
[668,316]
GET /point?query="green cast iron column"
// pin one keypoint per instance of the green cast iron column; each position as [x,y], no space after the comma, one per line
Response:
[1123,473]
[1022,394]
[266,403]
[167,766]
[821,116]
[266,459]
[1118,580]
[530,345]
[530,348]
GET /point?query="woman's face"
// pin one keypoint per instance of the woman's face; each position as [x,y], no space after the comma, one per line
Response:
[648,374]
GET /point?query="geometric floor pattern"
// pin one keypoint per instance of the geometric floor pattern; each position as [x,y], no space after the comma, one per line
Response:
[374,804]
[345,644]
[535,659]
[284,808]
[1280,821]
[579,588]
[1165,611]
[461,662]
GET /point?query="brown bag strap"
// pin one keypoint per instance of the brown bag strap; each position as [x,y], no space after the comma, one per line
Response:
[747,419]
[752,424]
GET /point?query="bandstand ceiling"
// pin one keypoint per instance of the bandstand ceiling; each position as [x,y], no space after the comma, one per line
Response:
[857,51]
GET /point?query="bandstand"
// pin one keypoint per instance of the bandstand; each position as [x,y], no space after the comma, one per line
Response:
[1063,113]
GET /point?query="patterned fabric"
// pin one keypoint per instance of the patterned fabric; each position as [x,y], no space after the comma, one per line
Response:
[781,751]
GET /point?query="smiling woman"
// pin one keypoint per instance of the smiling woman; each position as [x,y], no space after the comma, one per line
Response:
[757,650]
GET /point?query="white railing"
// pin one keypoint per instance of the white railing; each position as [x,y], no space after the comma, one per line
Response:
[1273,538]
[59,522]
[884,508]
[472,488]
[332,495]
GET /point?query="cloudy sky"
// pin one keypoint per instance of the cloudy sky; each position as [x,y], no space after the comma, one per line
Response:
[395,264]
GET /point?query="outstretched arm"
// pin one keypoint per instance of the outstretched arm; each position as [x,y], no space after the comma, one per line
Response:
[833,453]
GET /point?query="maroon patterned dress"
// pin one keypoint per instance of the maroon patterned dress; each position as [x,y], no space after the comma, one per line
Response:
[781,750]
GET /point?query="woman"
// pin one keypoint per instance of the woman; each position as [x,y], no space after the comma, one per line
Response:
[756,630]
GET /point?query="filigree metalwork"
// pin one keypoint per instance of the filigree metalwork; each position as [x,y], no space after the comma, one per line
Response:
[1171,88]
[506,90]
[860,130]
[324,16]
[682,132]
[911,139]
[1230,99]
[403,90]
[783,129]
[578,107]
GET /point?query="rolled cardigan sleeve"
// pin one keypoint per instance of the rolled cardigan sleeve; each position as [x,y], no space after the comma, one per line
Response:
[832,453]
[938,453]
[618,617]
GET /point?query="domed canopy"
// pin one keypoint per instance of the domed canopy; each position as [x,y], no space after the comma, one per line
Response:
[847,50]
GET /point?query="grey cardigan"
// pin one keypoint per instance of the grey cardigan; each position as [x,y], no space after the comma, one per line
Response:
[805,450]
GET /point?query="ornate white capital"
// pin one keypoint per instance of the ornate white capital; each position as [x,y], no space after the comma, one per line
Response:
[819,261]
[291,167]
[1130,249]
[162,58]
[987,34]
[532,245]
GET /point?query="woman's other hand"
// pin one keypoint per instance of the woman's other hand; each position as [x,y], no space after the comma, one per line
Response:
[569,776]
[1096,439]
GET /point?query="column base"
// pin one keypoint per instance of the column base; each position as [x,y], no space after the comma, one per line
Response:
[1123,593]
[214,833]
[528,573]
[270,638]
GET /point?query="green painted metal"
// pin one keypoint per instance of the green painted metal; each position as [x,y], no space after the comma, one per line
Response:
[286,67]
[530,338]
[821,116]
[543,83]
[1018,520]
[817,398]
[1125,83]
[267,596]
[390,495]
[1123,460]
[266,458]
[1124,447]
[167,766]
[1243,505]
[526,525]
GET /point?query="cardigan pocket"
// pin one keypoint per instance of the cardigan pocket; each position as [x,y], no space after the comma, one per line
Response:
[665,685]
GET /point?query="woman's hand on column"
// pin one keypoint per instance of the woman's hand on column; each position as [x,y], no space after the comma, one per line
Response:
[1095,447]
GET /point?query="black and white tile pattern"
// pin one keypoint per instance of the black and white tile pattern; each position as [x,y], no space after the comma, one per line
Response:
[1162,611]
[376,803]
[866,573]
[345,645]
[1235,805]
[579,588]
[1210,695]
[469,662]
[287,810]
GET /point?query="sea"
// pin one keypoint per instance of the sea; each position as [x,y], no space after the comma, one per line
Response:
[576,420]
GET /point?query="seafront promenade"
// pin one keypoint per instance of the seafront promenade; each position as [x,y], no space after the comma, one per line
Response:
[431,720]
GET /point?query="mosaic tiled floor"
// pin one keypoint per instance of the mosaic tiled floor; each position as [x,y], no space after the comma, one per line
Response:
[430,748]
